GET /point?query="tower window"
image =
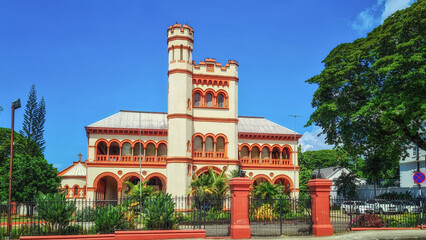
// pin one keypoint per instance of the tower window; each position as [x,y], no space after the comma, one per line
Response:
[210,68]
[181,52]
[197,99]
[209,99]
[220,99]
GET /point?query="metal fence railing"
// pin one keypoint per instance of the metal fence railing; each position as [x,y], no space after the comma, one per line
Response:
[92,217]
[280,216]
[346,214]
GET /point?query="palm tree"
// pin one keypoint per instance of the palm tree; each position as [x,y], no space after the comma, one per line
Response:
[266,190]
[347,184]
[139,191]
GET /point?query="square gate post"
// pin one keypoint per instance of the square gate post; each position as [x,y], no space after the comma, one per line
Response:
[319,190]
[240,225]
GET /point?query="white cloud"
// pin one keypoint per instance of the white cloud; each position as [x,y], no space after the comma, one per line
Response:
[376,14]
[310,140]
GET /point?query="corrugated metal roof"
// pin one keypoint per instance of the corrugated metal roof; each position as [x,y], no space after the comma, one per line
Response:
[150,120]
[130,119]
[261,125]
[77,170]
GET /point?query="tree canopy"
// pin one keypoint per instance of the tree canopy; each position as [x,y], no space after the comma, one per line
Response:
[31,175]
[371,94]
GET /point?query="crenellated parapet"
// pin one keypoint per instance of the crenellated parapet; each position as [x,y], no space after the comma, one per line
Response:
[210,67]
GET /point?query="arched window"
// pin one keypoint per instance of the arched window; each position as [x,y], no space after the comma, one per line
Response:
[138,151]
[209,99]
[244,153]
[150,150]
[275,153]
[76,194]
[102,148]
[114,149]
[265,153]
[255,153]
[209,144]
[220,101]
[198,144]
[162,150]
[126,150]
[286,153]
[220,144]
[197,99]
[181,52]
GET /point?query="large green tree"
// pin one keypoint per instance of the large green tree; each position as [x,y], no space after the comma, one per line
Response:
[5,144]
[33,124]
[371,94]
[31,175]
[310,160]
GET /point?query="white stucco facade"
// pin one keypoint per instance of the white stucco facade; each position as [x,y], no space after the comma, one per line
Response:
[201,130]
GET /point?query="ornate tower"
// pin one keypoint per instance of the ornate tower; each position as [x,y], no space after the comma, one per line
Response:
[180,39]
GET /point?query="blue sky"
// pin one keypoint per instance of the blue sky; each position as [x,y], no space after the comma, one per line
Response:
[90,59]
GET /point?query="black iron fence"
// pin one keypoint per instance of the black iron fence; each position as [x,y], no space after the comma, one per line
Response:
[75,217]
[346,214]
[280,216]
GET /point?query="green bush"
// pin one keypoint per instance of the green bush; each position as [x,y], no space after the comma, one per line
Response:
[404,220]
[87,214]
[55,210]
[73,230]
[159,212]
[110,218]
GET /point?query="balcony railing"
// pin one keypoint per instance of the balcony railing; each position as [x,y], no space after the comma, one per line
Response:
[208,154]
[265,162]
[130,159]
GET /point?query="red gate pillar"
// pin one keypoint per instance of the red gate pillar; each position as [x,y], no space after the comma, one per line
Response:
[320,194]
[240,225]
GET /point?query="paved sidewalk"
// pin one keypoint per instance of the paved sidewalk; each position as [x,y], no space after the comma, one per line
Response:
[364,235]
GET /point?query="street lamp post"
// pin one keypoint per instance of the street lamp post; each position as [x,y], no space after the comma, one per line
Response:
[294,159]
[15,105]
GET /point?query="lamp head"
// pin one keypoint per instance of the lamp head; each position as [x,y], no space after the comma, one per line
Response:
[16,104]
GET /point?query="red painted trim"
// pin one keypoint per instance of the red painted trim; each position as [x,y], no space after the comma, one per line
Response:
[180,38]
[74,237]
[179,71]
[179,160]
[391,228]
[126,131]
[159,234]
[268,166]
[126,165]
[268,136]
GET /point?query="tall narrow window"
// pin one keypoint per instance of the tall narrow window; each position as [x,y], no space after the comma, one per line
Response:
[126,150]
[255,153]
[220,99]
[209,144]
[181,52]
[150,150]
[244,153]
[220,144]
[102,148]
[138,149]
[162,150]
[265,153]
[197,99]
[76,191]
[275,153]
[114,149]
[173,53]
[209,99]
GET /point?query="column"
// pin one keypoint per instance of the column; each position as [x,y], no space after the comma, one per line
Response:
[319,190]
[240,225]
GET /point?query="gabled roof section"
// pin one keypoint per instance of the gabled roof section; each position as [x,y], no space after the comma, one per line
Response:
[133,120]
[262,126]
[78,169]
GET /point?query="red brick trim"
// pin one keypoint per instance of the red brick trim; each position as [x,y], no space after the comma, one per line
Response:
[126,131]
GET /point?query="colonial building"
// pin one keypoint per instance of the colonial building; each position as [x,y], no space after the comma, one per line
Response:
[201,130]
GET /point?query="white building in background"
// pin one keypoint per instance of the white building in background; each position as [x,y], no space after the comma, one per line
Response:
[408,166]
[201,130]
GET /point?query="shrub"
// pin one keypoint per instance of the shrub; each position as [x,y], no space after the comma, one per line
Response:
[73,230]
[369,220]
[87,214]
[55,210]
[264,212]
[110,218]
[405,220]
[159,212]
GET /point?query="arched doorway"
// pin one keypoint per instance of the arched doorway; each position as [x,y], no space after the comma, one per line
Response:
[285,181]
[107,187]
[258,179]
[157,180]
[133,178]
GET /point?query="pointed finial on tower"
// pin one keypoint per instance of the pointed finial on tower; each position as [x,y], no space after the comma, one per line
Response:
[79,157]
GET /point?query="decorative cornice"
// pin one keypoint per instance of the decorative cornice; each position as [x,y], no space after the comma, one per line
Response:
[126,131]
[179,160]
[271,167]
[268,136]
[179,71]
[185,38]
[196,77]
[125,165]
[202,119]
